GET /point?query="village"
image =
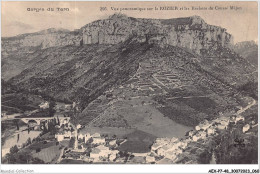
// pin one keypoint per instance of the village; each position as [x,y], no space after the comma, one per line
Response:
[78,144]
[97,148]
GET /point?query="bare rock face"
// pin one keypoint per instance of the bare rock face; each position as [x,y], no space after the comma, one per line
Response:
[192,33]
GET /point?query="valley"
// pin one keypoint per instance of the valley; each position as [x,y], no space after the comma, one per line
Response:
[144,88]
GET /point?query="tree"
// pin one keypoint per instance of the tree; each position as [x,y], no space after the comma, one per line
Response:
[52,110]
[37,161]
[90,140]
[230,149]
[72,141]
[51,127]
[10,158]
[58,121]
[14,149]
[29,141]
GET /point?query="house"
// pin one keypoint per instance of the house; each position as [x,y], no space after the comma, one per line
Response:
[224,118]
[113,155]
[172,147]
[44,105]
[205,125]
[149,159]
[221,127]
[140,154]
[163,140]
[96,135]
[254,125]
[195,138]
[178,144]
[174,140]
[183,144]
[87,137]
[67,134]
[191,133]
[104,151]
[210,131]
[81,136]
[240,118]
[65,121]
[84,134]
[78,126]
[246,128]
[74,104]
[59,137]
[203,135]
[3,114]
[99,140]
[112,143]
[178,151]
[161,151]
[100,152]
[63,134]
[68,106]
[223,124]
[197,128]
[170,155]
[95,154]
[156,146]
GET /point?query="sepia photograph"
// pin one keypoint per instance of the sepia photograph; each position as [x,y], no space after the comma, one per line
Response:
[170,83]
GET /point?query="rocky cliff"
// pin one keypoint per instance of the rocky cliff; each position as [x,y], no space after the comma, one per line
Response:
[192,33]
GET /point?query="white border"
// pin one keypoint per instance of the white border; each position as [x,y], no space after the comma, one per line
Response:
[127,168]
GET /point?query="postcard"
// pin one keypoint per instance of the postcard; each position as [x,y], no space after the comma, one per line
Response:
[168,83]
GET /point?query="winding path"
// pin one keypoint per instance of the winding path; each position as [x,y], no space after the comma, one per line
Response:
[246,108]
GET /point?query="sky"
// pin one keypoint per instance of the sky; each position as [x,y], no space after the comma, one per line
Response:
[16,19]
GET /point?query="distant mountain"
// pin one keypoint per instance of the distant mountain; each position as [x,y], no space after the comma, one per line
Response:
[131,72]
[248,50]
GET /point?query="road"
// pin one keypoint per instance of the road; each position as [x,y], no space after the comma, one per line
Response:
[199,96]
[246,108]
[13,116]
[60,157]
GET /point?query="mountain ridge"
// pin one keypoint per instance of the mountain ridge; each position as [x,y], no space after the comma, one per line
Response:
[143,61]
[190,32]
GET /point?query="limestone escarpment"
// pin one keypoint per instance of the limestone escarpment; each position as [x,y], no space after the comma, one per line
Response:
[192,33]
